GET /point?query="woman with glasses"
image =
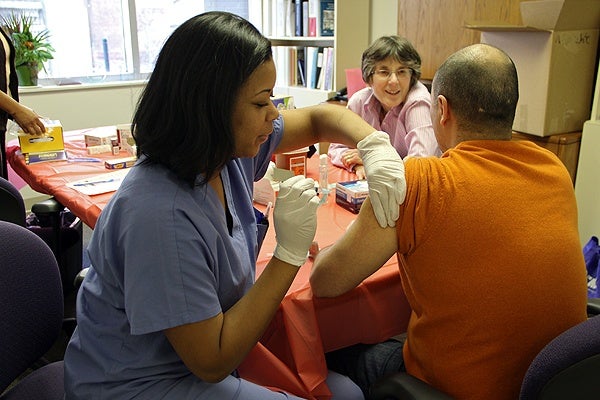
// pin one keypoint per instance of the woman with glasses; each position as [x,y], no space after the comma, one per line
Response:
[395,101]
[170,307]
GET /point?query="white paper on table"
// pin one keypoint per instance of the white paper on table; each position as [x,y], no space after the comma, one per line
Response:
[103,183]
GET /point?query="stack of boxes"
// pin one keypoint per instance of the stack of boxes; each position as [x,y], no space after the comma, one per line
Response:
[115,141]
[555,56]
[99,141]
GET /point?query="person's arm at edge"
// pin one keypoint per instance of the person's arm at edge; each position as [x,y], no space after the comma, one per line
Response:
[420,138]
[27,119]
[335,153]
[360,252]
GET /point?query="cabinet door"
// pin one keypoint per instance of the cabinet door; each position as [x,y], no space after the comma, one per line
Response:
[436,27]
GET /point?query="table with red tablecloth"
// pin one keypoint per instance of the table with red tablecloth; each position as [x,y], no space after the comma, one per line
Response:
[290,354]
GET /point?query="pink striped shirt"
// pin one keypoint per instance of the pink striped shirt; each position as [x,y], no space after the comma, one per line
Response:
[409,124]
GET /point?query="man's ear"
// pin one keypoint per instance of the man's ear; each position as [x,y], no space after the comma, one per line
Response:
[443,110]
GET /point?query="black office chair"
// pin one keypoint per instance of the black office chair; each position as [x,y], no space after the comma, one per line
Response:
[566,368]
[31,316]
[12,207]
[53,223]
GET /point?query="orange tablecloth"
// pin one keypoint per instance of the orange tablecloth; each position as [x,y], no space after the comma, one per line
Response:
[290,355]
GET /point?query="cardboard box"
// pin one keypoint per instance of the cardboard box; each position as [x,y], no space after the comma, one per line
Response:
[99,138]
[125,139]
[294,161]
[120,163]
[564,145]
[51,141]
[351,194]
[32,158]
[555,57]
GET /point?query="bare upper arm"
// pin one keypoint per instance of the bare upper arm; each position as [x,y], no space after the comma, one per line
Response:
[198,346]
[361,251]
[321,123]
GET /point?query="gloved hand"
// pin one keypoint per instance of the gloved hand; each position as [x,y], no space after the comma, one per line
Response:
[385,175]
[295,219]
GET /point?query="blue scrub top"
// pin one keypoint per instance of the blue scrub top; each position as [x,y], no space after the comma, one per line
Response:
[161,257]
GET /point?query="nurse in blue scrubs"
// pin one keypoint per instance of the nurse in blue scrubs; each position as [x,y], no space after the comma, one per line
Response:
[170,306]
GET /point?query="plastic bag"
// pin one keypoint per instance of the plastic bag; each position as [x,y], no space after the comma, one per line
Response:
[591,255]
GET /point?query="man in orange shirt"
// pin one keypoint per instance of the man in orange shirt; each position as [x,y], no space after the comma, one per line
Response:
[487,243]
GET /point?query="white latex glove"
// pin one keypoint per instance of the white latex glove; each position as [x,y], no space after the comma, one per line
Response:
[295,219]
[385,175]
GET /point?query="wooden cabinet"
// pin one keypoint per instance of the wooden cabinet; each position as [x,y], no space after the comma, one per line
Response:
[351,38]
[564,145]
[437,27]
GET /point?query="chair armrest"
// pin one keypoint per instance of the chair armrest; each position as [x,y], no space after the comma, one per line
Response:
[593,306]
[401,386]
[50,206]
[79,277]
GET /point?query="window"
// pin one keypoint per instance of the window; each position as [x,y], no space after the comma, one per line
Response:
[109,40]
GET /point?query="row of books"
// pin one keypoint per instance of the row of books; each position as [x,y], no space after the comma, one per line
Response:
[289,18]
[309,67]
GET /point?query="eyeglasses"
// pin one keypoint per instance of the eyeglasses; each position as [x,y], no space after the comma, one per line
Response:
[401,73]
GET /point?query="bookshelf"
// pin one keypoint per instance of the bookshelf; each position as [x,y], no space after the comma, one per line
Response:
[351,37]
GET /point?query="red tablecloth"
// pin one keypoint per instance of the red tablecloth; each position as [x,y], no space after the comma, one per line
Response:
[51,177]
[290,355]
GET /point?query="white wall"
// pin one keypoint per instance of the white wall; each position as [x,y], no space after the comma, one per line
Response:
[384,18]
[85,106]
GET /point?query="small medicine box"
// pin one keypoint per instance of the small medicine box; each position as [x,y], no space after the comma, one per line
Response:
[32,158]
[120,163]
[51,141]
[126,140]
[351,194]
[99,138]
[294,161]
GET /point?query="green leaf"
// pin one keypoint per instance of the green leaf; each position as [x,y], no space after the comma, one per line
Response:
[30,48]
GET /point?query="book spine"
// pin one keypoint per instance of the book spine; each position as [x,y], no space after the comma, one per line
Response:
[313,12]
[305,17]
[290,18]
[327,23]
[321,80]
[328,81]
[310,62]
[266,18]
[255,14]
[318,65]
[279,17]
[298,18]
[301,57]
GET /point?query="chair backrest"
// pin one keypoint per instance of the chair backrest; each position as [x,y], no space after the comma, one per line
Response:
[12,207]
[354,81]
[31,300]
[568,367]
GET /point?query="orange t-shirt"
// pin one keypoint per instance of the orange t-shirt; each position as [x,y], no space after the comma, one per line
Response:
[491,264]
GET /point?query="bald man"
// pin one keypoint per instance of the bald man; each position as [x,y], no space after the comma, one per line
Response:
[487,244]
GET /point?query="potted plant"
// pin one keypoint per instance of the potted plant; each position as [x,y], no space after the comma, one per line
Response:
[31,50]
